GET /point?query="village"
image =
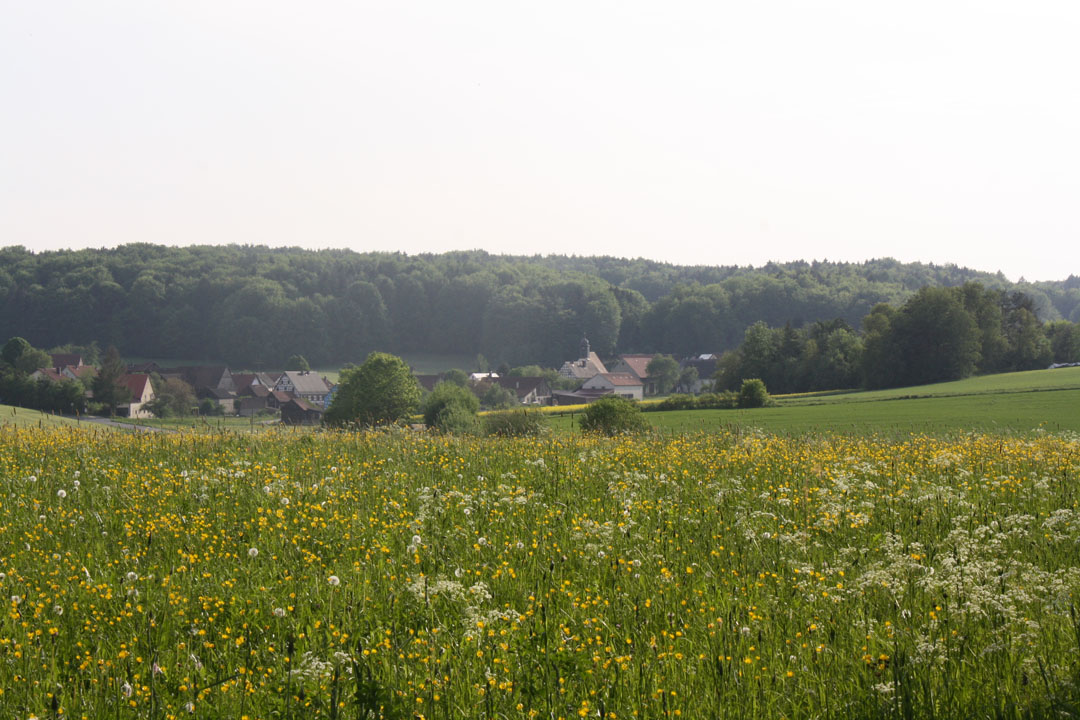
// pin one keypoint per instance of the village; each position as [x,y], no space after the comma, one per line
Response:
[300,397]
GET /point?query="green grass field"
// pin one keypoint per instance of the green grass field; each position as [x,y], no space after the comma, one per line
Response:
[23,418]
[1029,381]
[1011,402]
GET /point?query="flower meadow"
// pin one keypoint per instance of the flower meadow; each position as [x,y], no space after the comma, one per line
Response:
[401,575]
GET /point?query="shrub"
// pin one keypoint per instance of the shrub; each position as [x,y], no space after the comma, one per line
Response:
[725,400]
[515,423]
[676,402]
[611,415]
[457,420]
[445,395]
[753,394]
[209,406]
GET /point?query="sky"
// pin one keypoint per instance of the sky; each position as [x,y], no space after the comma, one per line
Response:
[716,133]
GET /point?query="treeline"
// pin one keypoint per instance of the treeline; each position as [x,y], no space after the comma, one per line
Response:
[938,334]
[18,361]
[250,305]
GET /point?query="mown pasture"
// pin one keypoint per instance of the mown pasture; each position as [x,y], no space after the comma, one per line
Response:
[402,575]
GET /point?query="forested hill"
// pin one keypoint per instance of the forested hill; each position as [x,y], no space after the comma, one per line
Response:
[246,305]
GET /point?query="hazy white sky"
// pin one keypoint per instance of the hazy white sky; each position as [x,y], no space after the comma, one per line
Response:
[711,133]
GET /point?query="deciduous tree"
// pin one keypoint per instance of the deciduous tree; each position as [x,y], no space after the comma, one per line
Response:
[382,390]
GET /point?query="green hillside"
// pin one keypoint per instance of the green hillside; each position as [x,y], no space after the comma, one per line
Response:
[1012,402]
[21,417]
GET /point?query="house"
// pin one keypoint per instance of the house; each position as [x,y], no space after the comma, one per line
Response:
[637,365]
[244,380]
[705,364]
[50,374]
[277,398]
[202,376]
[63,360]
[529,390]
[225,398]
[300,412]
[141,391]
[621,384]
[586,366]
[250,399]
[305,385]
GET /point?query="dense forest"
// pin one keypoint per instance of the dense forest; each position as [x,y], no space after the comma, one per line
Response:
[938,334]
[248,305]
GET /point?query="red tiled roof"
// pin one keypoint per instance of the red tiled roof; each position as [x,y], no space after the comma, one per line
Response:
[638,364]
[136,384]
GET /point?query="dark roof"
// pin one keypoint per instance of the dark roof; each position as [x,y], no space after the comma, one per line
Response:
[577,397]
[706,366]
[214,392]
[299,412]
[200,376]
[60,360]
[242,380]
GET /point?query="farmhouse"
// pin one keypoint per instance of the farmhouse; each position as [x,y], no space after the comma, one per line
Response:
[637,365]
[199,377]
[141,391]
[621,384]
[303,384]
[585,367]
[705,364]
[63,360]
